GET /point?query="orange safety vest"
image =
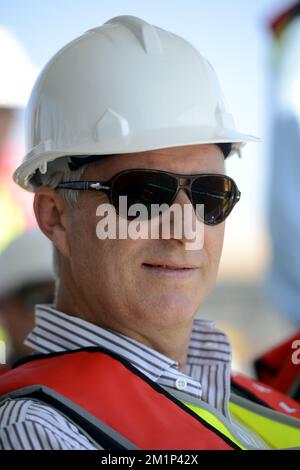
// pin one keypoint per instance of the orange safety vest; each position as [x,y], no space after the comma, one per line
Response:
[116,393]
[112,391]
[4,368]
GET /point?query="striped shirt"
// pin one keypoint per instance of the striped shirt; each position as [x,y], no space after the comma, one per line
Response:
[28,424]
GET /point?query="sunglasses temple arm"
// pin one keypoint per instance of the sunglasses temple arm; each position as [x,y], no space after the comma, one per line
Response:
[83,185]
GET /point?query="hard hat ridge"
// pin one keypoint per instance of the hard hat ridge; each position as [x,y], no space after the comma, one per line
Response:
[124,87]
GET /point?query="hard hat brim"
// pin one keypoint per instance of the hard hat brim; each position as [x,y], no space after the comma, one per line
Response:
[143,142]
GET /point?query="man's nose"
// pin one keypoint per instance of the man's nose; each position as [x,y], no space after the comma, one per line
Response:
[183,217]
[182,197]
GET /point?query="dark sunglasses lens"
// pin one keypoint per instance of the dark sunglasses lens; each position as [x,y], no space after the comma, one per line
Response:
[217,194]
[142,187]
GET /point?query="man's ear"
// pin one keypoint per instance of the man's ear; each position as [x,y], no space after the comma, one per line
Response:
[51,212]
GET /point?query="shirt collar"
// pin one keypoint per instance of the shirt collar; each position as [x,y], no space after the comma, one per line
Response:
[56,331]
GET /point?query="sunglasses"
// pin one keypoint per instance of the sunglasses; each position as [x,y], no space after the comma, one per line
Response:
[218,193]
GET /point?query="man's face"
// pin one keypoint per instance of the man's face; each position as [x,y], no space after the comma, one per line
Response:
[113,276]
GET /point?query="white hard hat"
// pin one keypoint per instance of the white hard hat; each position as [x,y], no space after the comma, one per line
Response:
[124,87]
[17,72]
[26,260]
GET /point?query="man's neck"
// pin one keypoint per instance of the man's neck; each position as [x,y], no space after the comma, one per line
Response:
[171,342]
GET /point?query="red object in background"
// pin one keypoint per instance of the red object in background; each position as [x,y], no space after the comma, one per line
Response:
[4,368]
[9,160]
[278,369]
[281,21]
[264,395]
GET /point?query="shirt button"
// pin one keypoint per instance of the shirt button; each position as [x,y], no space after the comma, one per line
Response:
[180,383]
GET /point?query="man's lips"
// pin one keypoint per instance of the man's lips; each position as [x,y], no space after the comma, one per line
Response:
[170,265]
[171,269]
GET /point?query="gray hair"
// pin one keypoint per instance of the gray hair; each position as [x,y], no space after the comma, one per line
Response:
[58,171]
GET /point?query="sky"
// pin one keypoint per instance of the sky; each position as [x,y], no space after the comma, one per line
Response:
[232,34]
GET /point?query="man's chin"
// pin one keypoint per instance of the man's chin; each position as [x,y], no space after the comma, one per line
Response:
[171,306]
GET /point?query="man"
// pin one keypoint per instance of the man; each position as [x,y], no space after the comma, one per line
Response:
[26,279]
[130,110]
[283,278]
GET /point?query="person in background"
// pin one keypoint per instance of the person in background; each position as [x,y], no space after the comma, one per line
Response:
[26,278]
[277,367]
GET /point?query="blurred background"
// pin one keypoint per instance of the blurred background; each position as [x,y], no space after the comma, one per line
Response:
[254,47]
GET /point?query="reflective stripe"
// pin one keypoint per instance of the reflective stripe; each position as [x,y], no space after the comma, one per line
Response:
[215,422]
[72,412]
[243,437]
[277,434]
[40,427]
[71,408]
[264,411]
